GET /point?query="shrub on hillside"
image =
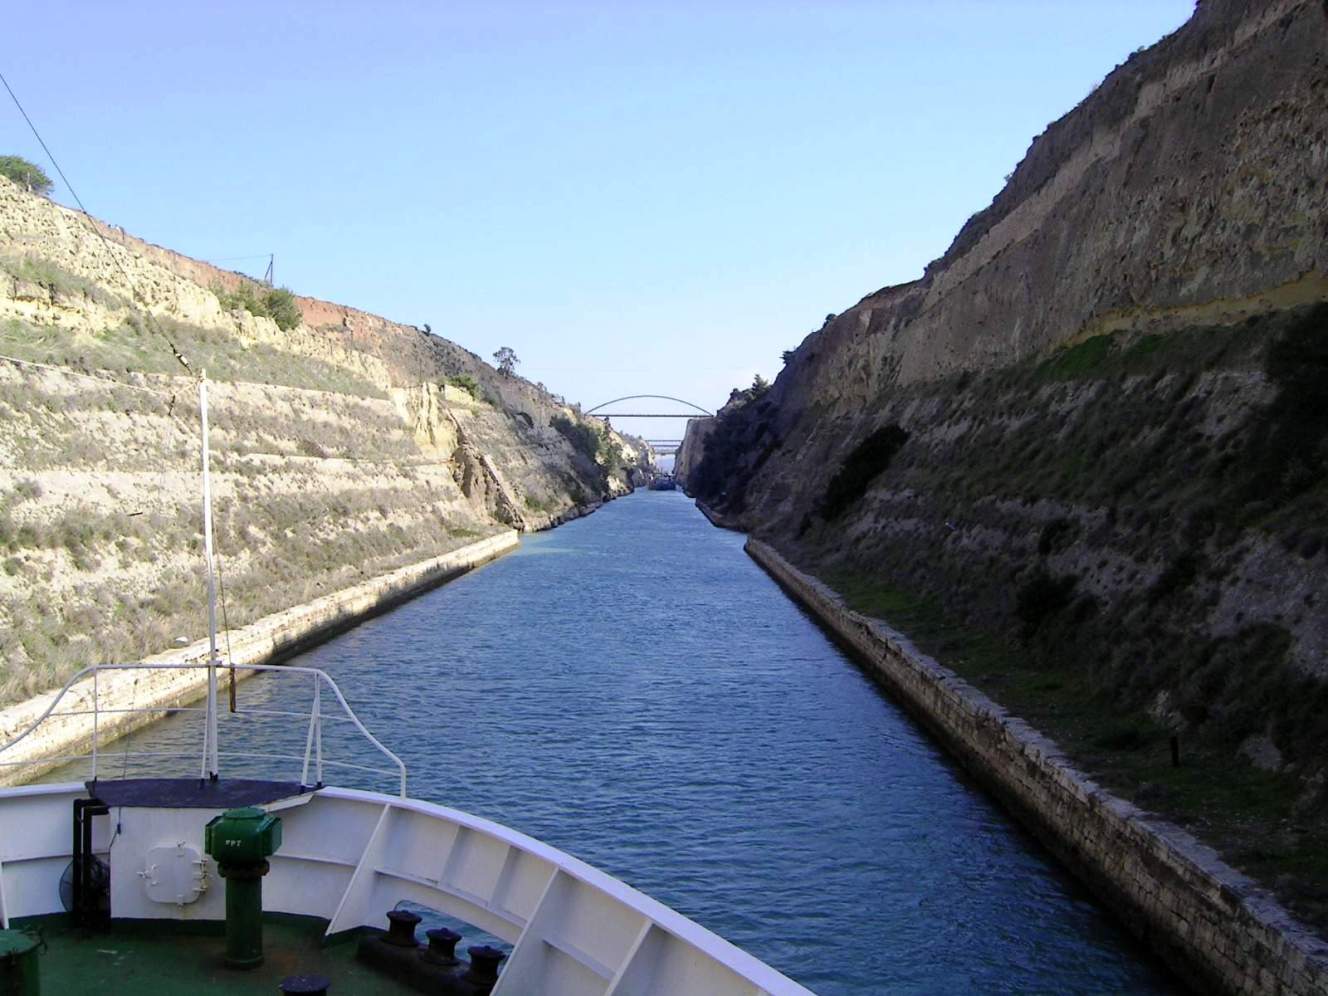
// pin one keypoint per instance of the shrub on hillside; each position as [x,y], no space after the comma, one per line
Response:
[1042,596]
[869,460]
[467,383]
[25,174]
[276,303]
[584,439]
[282,307]
[1288,452]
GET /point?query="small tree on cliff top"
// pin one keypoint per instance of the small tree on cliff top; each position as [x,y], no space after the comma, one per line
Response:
[282,307]
[506,360]
[25,174]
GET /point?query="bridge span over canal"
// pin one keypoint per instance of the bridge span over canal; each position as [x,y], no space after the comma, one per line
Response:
[661,446]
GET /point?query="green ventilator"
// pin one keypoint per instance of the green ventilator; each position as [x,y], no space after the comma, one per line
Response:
[18,963]
[241,841]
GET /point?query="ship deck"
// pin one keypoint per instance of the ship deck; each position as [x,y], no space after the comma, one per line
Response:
[163,956]
[345,859]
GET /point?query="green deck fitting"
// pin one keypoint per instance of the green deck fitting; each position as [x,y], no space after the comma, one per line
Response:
[175,957]
[19,975]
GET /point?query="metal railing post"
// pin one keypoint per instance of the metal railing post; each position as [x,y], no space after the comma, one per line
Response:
[96,706]
[318,727]
[313,753]
[309,738]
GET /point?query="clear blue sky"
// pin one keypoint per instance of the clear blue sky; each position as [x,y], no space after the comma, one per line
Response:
[637,197]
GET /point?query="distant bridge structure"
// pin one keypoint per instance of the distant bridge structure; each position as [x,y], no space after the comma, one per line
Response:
[662,447]
[697,409]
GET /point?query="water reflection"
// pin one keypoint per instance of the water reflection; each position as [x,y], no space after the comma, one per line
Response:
[633,689]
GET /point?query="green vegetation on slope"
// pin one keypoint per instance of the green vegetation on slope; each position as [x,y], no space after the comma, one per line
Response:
[868,460]
[466,383]
[288,530]
[1120,541]
[57,281]
[133,348]
[1253,817]
[1129,501]
[28,175]
[277,303]
[320,477]
[592,441]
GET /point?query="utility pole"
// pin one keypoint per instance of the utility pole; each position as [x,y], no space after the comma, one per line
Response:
[271,263]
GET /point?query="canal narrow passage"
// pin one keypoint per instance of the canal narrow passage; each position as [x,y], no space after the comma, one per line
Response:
[633,689]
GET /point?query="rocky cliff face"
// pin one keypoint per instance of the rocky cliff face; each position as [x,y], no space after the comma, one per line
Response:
[1186,189]
[343,447]
[1097,425]
[691,449]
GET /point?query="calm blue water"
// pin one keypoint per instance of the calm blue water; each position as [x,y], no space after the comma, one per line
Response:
[633,689]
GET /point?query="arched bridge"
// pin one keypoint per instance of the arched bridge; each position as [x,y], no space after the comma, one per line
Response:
[663,447]
[698,410]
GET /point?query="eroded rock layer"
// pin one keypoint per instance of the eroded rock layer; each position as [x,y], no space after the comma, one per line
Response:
[1098,425]
[344,446]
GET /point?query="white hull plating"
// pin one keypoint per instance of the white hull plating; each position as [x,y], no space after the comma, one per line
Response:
[349,856]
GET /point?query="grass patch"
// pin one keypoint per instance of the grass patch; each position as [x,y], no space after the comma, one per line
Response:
[1078,360]
[1287,455]
[543,505]
[1121,353]
[284,551]
[1142,348]
[467,383]
[276,303]
[59,281]
[592,441]
[866,462]
[134,348]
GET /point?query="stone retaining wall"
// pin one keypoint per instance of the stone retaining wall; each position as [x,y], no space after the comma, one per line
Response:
[717,519]
[270,639]
[1213,925]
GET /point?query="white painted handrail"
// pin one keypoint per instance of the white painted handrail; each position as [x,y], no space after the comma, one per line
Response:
[311,759]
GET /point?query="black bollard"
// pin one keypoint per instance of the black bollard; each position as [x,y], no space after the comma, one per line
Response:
[483,967]
[442,946]
[401,928]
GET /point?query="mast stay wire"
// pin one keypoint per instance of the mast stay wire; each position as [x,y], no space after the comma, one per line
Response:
[151,319]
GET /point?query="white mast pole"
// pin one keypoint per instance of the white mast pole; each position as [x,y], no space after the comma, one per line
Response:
[210,752]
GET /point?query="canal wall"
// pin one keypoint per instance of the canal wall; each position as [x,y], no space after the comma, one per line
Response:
[717,519]
[691,449]
[1213,925]
[269,640]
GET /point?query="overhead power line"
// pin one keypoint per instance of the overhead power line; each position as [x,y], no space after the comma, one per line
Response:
[150,321]
[96,228]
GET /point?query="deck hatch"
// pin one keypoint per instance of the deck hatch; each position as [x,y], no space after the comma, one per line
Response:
[192,793]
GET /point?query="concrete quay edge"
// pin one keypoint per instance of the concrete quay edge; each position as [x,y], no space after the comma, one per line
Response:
[1214,926]
[272,639]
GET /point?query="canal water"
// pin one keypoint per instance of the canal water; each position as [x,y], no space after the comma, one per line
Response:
[634,690]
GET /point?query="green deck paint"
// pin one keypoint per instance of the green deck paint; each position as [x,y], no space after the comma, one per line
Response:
[18,963]
[171,957]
